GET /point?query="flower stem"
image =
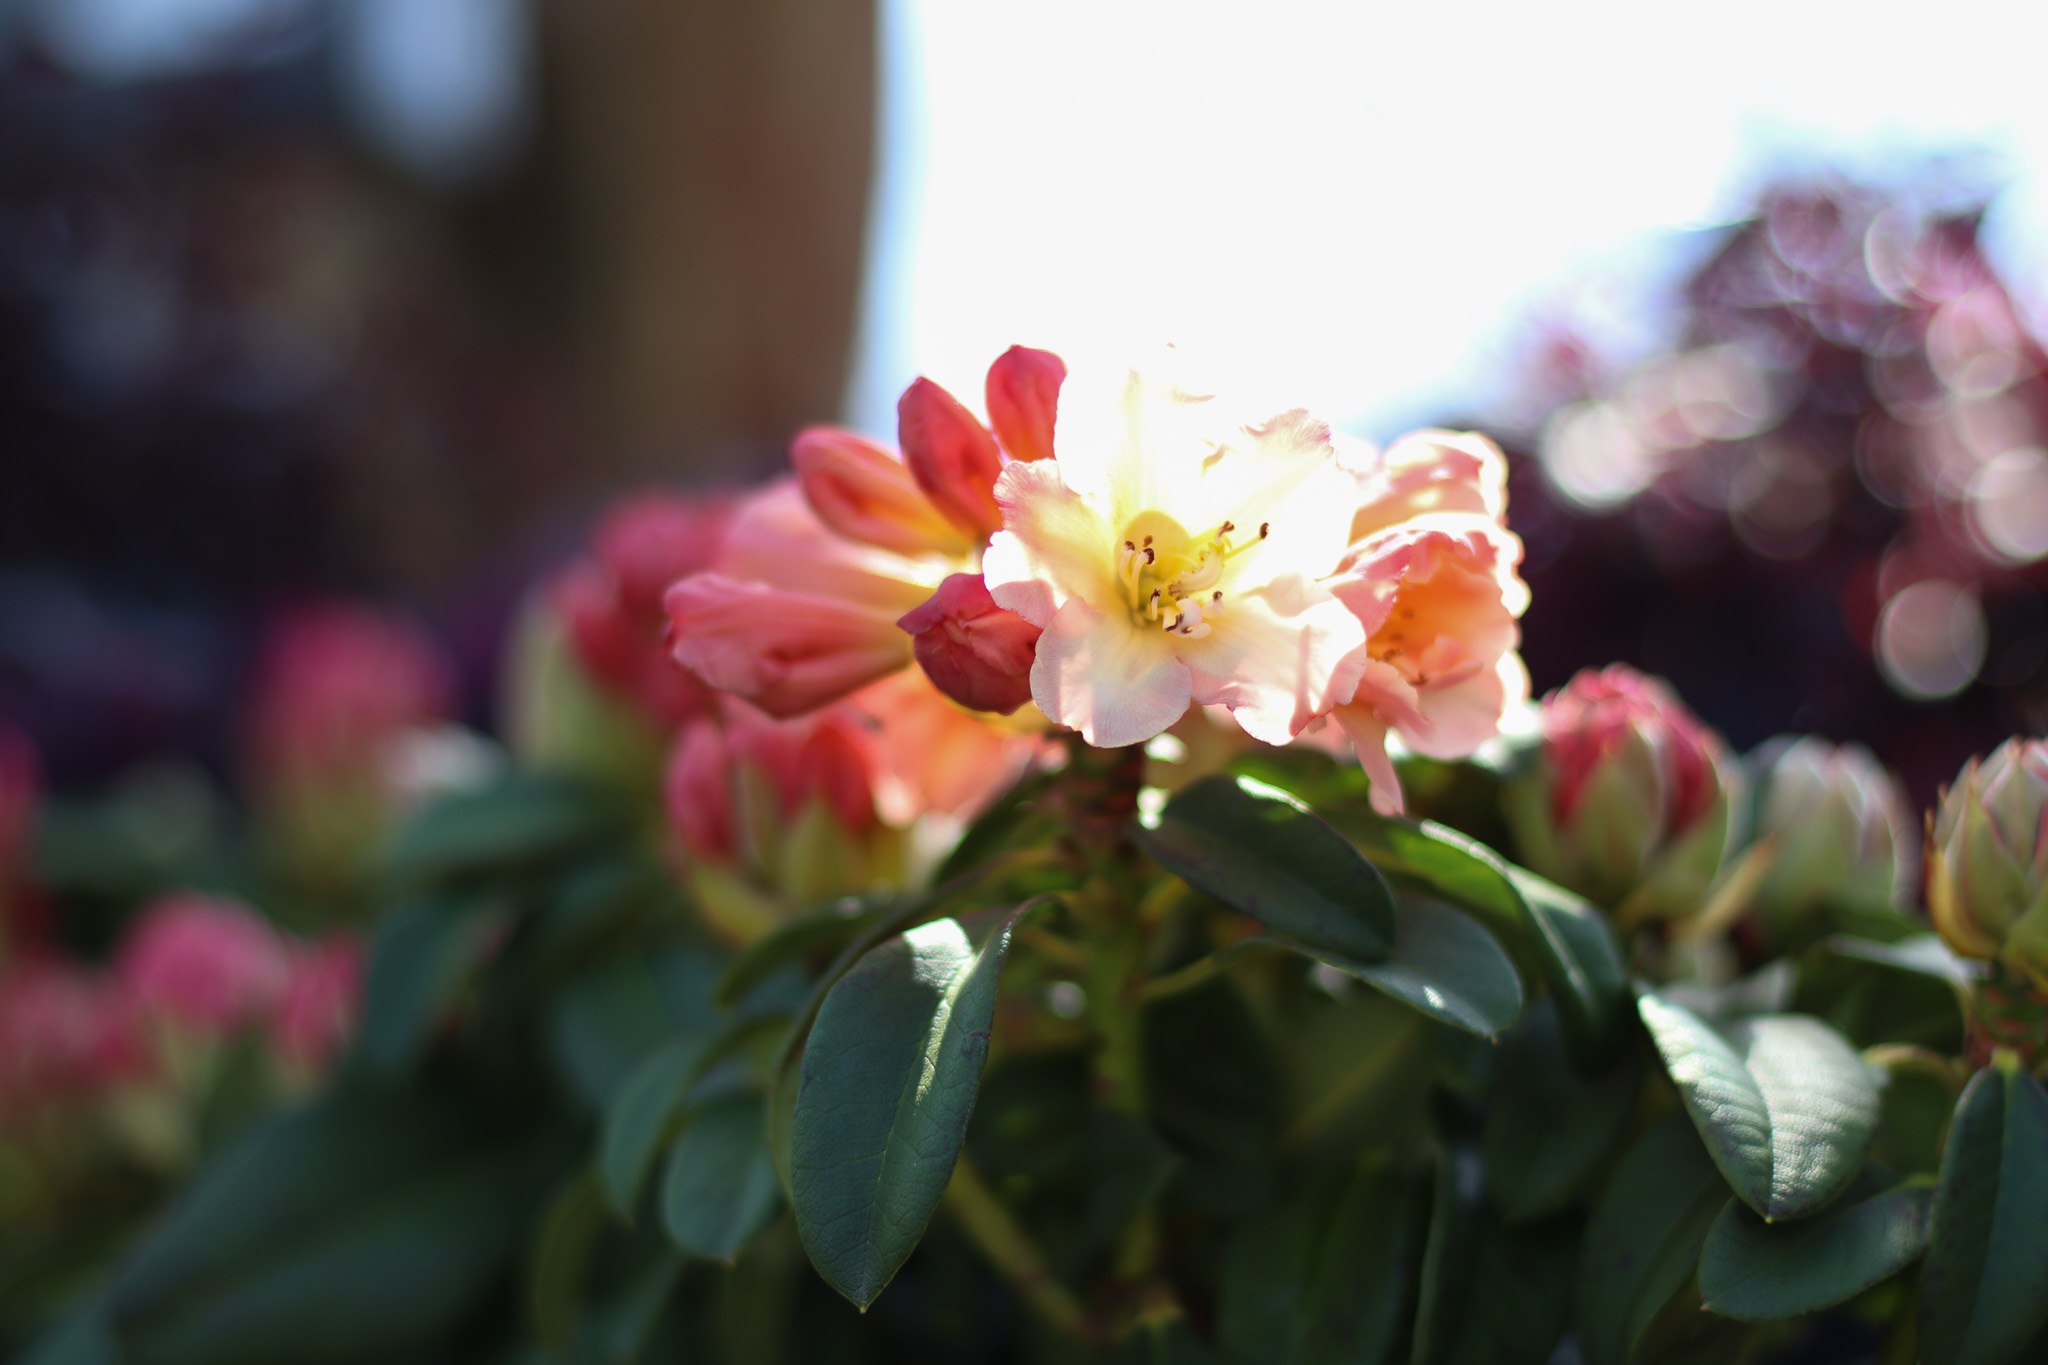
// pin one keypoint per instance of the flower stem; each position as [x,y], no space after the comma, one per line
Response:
[993,1230]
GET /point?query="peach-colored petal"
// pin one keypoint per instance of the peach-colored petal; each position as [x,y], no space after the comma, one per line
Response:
[866,493]
[776,539]
[952,457]
[1463,716]
[785,652]
[1369,738]
[933,756]
[1427,472]
[1096,674]
[1272,655]
[1056,545]
[1023,394]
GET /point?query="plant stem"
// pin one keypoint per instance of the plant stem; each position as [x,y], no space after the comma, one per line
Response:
[992,1228]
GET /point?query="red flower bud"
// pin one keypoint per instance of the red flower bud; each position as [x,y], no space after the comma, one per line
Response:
[974,651]
[865,493]
[1023,399]
[952,457]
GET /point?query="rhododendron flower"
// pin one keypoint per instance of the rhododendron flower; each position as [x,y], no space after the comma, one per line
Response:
[1437,596]
[1173,558]
[1426,472]
[65,1033]
[972,650]
[612,601]
[208,964]
[322,998]
[932,757]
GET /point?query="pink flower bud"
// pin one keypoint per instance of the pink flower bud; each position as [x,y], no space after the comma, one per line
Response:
[785,652]
[866,493]
[1838,831]
[206,963]
[321,1002]
[650,540]
[1630,803]
[1987,860]
[698,792]
[1023,395]
[952,457]
[974,651]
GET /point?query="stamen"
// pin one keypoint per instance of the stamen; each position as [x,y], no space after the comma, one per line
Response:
[1265,529]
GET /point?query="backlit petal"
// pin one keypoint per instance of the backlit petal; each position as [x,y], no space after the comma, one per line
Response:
[1098,673]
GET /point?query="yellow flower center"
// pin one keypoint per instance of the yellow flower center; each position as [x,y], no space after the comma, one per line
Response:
[1172,579]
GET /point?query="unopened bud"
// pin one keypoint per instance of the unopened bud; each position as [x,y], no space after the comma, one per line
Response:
[865,493]
[974,651]
[1836,827]
[1987,860]
[952,457]
[1023,395]
[1629,803]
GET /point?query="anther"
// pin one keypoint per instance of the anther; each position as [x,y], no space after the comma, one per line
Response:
[1132,548]
[1148,540]
[1265,529]
[1227,527]
[1151,555]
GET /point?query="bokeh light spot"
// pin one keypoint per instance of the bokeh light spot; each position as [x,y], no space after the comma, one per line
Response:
[1931,639]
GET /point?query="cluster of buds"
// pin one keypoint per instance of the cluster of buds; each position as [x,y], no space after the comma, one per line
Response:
[1630,801]
[349,712]
[129,1052]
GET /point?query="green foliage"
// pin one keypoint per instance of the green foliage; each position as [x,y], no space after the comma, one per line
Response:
[1765,1272]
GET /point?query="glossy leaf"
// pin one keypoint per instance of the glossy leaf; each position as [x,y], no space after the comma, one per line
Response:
[1321,1278]
[1643,1242]
[1548,1132]
[720,1188]
[638,1119]
[1785,1106]
[1984,1289]
[560,1261]
[1261,852]
[424,952]
[890,1073]
[1450,1257]
[1920,1093]
[1442,964]
[1581,967]
[519,823]
[1755,1271]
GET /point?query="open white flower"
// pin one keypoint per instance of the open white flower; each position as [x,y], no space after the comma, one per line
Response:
[1172,558]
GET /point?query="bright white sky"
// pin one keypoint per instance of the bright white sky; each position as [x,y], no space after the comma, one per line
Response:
[1351,206]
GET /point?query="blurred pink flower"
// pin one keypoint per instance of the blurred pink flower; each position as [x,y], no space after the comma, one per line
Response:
[210,964]
[65,1033]
[1174,558]
[933,756]
[321,1002]
[336,682]
[973,651]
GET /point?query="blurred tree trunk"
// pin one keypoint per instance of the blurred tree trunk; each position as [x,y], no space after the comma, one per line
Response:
[717,158]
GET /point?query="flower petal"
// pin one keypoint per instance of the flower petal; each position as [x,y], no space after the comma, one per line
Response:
[1023,394]
[866,493]
[785,652]
[1098,673]
[952,457]
[775,538]
[1369,739]
[1464,716]
[1272,656]
[1055,545]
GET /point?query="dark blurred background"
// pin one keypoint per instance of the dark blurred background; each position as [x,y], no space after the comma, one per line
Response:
[384,298]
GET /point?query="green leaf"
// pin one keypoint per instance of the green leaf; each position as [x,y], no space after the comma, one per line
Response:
[1984,1289]
[1784,1104]
[560,1261]
[1548,1132]
[890,1072]
[1321,1278]
[828,929]
[1755,1271]
[720,1188]
[1451,1255]
[424,952]
[638,1118]
[1582,969]
[1261,852]
[606,1020]
[1520,1298]
[526,821]
[1643,1241]
[1550,932]
[1920,1093]
[1442,964]
[1913,991]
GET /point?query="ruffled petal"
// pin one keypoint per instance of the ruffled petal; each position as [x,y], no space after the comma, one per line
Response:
[1369,739]
[1055,545]
[1273,656]
[1098,674]
[1460,718]
[785,652]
